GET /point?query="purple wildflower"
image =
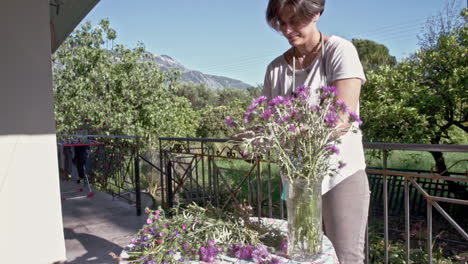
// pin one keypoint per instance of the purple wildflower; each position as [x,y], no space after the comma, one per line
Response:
[229,121]
[331,119]
[283,247]
[244,252]
[315,108]
[292,128]
[267,114]
[329,90]
[209,252]
[341,165]
[177,234]
[156,214]
[247,117]
[251,108]
[284,120]
[170,252]
[260,254]
[342,105]
[244,153]
[134,241]
[161,234]
[149,221]
[294,114]
[259,100]
[185,246]
[355,117]
[302,92]
[184,227]
[276,101]
[333,149]
[234,248]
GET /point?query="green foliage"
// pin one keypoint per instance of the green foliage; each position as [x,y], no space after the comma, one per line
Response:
[226,96]
[373,54]
[422,98]
[117,90]
[212,119]
[213,106]
[397,253]
[199,95]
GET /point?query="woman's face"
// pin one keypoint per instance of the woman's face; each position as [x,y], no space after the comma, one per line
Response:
[296,31]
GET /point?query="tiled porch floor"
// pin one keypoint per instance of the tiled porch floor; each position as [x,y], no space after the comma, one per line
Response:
[96,226]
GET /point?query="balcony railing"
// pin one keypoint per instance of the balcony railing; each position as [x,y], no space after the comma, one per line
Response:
[115,167]
[204,170]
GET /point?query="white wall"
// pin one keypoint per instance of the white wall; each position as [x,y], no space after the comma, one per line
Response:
[31,229]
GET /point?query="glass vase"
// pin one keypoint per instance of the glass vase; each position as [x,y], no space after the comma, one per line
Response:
[304,207]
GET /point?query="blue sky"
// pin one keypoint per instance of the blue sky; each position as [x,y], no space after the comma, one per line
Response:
[231,38]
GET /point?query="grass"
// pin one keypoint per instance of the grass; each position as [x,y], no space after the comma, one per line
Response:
[416,160]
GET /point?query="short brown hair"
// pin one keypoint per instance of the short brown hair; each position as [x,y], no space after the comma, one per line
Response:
[305,9]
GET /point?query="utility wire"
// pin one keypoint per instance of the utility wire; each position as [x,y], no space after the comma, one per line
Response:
[403,30]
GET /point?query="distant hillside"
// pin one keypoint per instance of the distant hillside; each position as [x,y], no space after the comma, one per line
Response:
[187,75]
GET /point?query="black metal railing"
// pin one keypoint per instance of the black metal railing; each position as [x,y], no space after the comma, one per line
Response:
[114,165]
[200,170]
[415,185]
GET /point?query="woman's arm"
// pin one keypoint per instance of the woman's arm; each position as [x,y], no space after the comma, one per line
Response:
[348,92]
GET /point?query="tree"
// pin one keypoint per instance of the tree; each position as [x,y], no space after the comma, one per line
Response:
[116,90]
[373,54]
[212,119]
[423,99]
[227,95]
[198,94]
[443,24]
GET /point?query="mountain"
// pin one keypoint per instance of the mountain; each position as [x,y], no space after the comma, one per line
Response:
[187,75]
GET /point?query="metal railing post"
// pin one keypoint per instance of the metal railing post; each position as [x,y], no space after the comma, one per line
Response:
[170,195]
[366,248]
[429,231]
[161,177]
[385,201]
[137,180]
[407,222]
[259,189]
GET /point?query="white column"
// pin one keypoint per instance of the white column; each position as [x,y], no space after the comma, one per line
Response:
[31,229]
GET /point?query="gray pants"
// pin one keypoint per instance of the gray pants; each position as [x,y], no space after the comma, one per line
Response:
[345,210]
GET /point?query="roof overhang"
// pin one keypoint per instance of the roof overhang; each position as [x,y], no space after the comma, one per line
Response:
[65,15]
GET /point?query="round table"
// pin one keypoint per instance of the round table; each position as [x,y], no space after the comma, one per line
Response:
[328,255]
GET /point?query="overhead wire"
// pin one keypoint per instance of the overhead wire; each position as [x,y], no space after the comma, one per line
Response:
[403,30]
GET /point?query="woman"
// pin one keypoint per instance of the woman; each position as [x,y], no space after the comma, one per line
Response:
[315,60]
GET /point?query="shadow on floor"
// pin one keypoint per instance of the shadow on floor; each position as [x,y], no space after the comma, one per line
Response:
[97,249]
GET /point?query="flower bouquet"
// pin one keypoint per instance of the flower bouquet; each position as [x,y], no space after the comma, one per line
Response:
[194,234]
[303,137]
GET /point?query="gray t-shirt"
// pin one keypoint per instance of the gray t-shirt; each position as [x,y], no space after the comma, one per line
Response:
[341,62]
